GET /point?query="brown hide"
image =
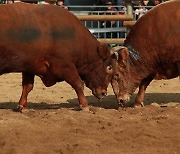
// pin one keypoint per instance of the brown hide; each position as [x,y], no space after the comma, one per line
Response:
[50,42]
[154,52]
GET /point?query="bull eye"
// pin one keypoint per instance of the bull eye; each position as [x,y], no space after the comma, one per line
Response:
[109,69]
[117,75]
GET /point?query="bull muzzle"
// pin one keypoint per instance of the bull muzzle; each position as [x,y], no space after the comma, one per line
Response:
[123,100]
[99,93]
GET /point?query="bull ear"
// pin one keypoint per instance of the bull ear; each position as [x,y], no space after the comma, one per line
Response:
[119,53]
[124,54]
[103,51]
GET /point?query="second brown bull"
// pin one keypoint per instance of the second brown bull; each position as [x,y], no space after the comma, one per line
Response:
[151,51]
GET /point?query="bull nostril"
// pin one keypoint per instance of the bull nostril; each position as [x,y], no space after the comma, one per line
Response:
[121,103]
[103,93]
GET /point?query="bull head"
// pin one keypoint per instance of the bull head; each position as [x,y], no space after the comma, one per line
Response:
[120,80]
[101,71]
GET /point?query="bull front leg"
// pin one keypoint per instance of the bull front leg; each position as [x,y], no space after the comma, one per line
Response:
[139,101]
[71,76]
[78,85]
[27,86]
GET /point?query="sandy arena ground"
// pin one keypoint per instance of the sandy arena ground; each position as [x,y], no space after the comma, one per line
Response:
[54,126]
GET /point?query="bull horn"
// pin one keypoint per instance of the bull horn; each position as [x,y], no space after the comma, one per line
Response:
[115,54]
[117,48]
[114,51]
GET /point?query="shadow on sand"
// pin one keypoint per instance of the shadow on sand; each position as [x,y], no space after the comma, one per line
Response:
[109,102]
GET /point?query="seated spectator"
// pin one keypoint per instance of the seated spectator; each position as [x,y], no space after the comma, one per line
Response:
[2,1]
[60,2]
[153,3]
[30,1]
[110,10]
[10,1]
[120,3]
[63,3]
[139,9]
[103,2]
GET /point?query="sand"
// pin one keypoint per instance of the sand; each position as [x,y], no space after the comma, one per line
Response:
[53,125]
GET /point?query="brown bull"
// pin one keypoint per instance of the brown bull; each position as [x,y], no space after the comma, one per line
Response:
[50,42]
[151,51]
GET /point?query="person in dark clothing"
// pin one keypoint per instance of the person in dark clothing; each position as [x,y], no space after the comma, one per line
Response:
[110,10]
[153,3]
[2,1]
[34,2]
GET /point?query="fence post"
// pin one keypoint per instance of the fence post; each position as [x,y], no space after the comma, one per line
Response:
[129,10]
[129,7]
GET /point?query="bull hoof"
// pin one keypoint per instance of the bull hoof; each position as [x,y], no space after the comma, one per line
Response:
[86,109]
[89,110]
[21,109]
[139,105]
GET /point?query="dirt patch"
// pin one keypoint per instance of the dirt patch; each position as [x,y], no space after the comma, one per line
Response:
[53,125]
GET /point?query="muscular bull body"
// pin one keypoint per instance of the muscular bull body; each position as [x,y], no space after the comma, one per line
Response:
[50,42]
[151,51]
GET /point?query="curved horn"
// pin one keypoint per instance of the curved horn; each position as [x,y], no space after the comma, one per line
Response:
[118,48]
[115,51]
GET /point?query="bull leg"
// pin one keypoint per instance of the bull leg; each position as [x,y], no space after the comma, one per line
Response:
[27,86]
[72,77]
[78,85]
[139,101]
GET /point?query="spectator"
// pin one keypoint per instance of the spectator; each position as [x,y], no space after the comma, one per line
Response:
[153,3]
[60,2]
[43,2]
[120,3]
[10,1]
[26,1]
[66,3]
[63,3]
[121,12]
[156,2]
[99,3]
[103,2]
[108,24]
[139,9]
[2,1]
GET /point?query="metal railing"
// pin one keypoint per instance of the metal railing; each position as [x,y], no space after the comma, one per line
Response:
[103,24]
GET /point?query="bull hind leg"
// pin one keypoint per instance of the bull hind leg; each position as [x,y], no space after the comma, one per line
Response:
[139,101]
[27,86]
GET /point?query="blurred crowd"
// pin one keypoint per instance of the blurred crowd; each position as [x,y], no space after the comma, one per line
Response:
[96,2]
[142,6]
